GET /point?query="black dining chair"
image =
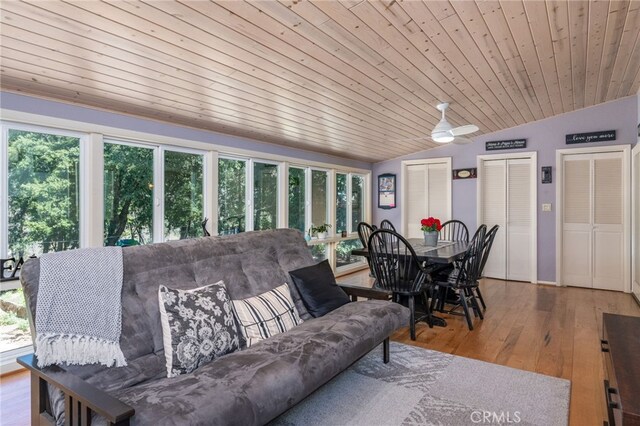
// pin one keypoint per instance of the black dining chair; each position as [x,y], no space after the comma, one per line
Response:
[396,267]
[464,279]
[386,224]
[486,250]
[364,232]
[454,230]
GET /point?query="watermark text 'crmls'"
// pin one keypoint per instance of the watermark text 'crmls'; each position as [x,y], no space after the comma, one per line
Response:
[495,417]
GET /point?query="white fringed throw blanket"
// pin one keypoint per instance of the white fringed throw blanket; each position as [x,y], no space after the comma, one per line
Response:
[79,308]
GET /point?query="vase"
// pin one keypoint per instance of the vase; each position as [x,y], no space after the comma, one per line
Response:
[431,238]
[322,235]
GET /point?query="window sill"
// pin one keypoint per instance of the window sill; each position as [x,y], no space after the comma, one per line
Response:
[334,239]
[8,362]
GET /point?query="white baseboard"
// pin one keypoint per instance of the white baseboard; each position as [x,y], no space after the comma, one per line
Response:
[547,282]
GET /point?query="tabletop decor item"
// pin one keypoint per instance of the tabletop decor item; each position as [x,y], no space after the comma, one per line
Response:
[430,227]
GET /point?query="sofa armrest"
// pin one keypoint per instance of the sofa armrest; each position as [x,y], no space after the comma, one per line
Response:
[81,398]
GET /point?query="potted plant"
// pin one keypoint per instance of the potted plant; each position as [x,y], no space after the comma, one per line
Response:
[430,227]
[321,230]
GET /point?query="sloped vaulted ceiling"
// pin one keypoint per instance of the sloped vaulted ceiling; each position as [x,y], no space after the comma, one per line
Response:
[344,78]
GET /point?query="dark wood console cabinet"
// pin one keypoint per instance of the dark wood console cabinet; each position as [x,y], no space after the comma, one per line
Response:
[621,349]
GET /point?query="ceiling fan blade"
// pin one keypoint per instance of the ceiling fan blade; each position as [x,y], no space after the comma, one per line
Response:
[461,141]
[464,130]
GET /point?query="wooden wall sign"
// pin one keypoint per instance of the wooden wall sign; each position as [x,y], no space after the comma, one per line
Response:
[471,173]
[508,144]
[602,136]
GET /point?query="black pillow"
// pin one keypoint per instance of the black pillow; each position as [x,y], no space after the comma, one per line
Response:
[318,289]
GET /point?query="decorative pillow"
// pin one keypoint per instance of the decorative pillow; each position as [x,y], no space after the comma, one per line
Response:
[266,315]
[318,289]
[197,326]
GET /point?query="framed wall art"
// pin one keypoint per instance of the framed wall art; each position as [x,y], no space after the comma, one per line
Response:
[387,191]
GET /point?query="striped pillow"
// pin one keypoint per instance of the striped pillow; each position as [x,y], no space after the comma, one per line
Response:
[266,315]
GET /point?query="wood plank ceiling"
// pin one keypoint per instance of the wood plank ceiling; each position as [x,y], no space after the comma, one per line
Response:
[358,79]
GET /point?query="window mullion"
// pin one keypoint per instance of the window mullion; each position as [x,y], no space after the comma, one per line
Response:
[249,196]
[158,195]
[308,188]
[282,210]
[4,192]
[349,204]
[91,190]
[210,187]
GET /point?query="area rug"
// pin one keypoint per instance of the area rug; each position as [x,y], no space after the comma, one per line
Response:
[424,387]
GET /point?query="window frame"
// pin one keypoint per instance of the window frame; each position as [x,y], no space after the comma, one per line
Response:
[83,172]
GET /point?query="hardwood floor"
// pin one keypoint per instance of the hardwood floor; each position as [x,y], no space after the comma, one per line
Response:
[545,329]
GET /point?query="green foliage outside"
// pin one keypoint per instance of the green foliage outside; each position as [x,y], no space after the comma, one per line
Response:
[128,193]
[183,195]
[343,252]
[9,318]
[265,196]
[297,199]
[43,193]
[341,202]
[357,201]
[319,252]
[128,189]
[231,196]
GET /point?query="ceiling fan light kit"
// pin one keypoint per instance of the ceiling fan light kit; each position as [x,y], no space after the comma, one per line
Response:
[444,132]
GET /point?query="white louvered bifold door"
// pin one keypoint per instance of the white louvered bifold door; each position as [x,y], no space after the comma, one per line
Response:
[416,200]
[518,230]
[593,221]
[576,232]
[494,212]
[438,191]
[608,225]
[427,194]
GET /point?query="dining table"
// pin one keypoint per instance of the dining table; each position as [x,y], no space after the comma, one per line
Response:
[443,253]
[440,255]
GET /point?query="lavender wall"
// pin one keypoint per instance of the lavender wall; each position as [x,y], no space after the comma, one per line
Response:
[33,105]
[544,137]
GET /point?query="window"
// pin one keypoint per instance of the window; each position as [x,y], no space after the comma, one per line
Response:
[319,252]
[43,200]
[128,194]
[341,202]
[357,201]
[43,177]
[232,200]
[297,200]
[319,194]
[152,193]
[343,253]
[265,196]
[183,195]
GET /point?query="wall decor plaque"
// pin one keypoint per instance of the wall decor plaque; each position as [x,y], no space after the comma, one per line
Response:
[506,144]
[602,136]
[470,173]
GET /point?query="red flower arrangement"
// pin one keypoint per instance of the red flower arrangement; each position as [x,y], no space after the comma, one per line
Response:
[430,224]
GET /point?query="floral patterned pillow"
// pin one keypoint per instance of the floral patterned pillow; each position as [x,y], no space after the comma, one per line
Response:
[197,326]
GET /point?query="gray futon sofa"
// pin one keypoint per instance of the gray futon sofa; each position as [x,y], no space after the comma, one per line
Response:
[248,387]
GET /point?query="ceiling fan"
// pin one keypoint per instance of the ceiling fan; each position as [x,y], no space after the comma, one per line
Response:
[444,132]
